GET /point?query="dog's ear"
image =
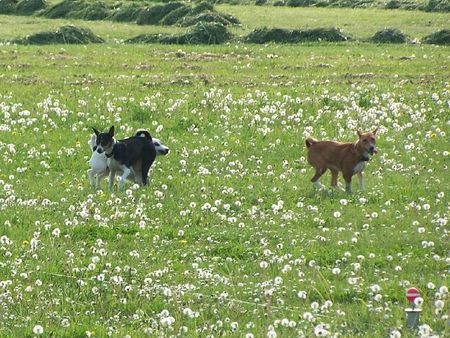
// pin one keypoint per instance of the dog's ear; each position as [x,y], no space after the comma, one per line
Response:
[359,132]
[111,131]
[375,131]
[95,131]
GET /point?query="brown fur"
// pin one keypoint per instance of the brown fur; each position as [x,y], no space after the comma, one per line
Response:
[348,158]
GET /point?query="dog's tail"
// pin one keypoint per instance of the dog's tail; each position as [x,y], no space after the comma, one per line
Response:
[93,142]
[310,141]
[143,133]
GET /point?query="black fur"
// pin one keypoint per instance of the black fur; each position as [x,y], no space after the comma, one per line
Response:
[130,150]
[144,133]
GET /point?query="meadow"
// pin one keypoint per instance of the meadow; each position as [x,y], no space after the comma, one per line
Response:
[230,238]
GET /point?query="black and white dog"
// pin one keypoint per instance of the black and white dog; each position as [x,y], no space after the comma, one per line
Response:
[130,158]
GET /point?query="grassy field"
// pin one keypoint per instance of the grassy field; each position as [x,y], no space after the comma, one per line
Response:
[359,23]
[230,238]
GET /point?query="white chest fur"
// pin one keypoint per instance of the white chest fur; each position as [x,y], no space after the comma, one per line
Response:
[359,167]
[98,162]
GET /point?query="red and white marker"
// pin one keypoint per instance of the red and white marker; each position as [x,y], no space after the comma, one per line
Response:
[412,294]
[413,313]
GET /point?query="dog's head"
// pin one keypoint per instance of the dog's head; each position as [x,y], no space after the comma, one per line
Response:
[104,141]
[367,141]
[160,148]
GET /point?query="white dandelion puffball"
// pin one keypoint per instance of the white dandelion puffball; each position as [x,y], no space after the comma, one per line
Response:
[38,329]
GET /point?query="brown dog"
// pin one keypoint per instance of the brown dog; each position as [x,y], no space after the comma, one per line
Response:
[349,158]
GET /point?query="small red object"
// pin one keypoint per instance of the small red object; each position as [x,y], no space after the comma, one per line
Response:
[412,294]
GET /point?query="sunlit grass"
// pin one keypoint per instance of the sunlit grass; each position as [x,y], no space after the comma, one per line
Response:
[230,237]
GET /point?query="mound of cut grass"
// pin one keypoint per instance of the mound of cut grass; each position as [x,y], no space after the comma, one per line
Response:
[28,7]
[203,33]
[264,35]
[402,4]
[330,3]
[126,13]
[79,9]
[206,17]
[91,11]
[153,15]
[437,6]
[175,16]
[62,9]
[201,7]
[7,6]
[64,35]
[206,33]
[441,37]
[389,35]
[177,13]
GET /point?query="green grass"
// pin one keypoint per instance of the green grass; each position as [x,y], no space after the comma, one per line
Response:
[235,118]
[359,23]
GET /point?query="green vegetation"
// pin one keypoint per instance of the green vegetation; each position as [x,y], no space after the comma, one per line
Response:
[230,238]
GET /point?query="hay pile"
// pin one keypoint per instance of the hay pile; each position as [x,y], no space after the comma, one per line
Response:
[207,17]
[204,33]
[264,35]
[28,7]
[437,6]
[79,9]
[175,16]
[169,13]
[441,37]
[331,3]
[93,11]
[153,15]
[22,7]
[8,6]
[64,35]
[126,13]
[389,35]
[204,12]
[177,13]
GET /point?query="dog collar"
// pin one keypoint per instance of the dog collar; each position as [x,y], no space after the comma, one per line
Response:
[112,151]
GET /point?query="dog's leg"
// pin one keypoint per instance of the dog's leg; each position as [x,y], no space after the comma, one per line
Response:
[112,175]
[126,173]
[361,181]
[146,164]
[138,179]
[348,182]
[334,177]
[315,179]
[100,176]
[91,174]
